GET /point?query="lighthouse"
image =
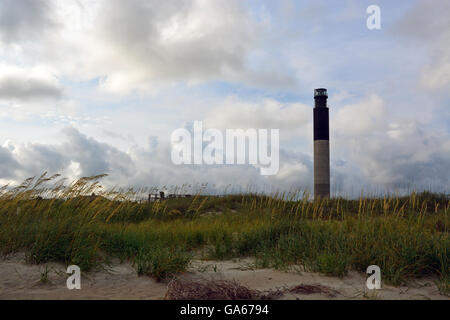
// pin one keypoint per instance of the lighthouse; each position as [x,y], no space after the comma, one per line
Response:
[321,145]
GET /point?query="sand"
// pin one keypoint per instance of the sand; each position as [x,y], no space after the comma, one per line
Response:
[120,281]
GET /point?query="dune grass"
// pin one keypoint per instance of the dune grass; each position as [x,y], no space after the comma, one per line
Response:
[407,237]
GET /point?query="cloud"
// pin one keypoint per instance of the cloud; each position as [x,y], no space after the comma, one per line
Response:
[293,119]
[56,54]
[9,165]
[296,171]
[36,158]
[399,157]
[362,117]
[373,149]
[436,76]
[78,156]
[410,157]
[94,157]
[28,84]
[424,21]
[143,45]
[426,25]
[192,41]
[24,20]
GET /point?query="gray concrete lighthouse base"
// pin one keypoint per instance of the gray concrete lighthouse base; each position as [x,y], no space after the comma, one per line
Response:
[321,169]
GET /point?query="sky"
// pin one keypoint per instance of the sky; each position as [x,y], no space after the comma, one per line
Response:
[90,87]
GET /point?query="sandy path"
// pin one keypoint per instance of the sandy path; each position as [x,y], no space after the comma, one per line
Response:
[21,281]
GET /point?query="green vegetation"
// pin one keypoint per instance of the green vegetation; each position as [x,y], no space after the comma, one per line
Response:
[407,237]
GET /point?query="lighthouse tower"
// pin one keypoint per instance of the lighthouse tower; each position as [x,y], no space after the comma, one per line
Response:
[321,145]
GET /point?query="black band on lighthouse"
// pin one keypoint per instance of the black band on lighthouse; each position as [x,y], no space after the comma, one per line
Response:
[321,124]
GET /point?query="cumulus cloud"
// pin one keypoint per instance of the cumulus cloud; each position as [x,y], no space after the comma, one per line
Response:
[193,41]
[293,119]
[296,171]
[401,158]
[36,158]
[28,84]
[361,117]
[78,156]
[94,157]
[373,150]
[144,46]
[415,160]
[9,165]
[141,45]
